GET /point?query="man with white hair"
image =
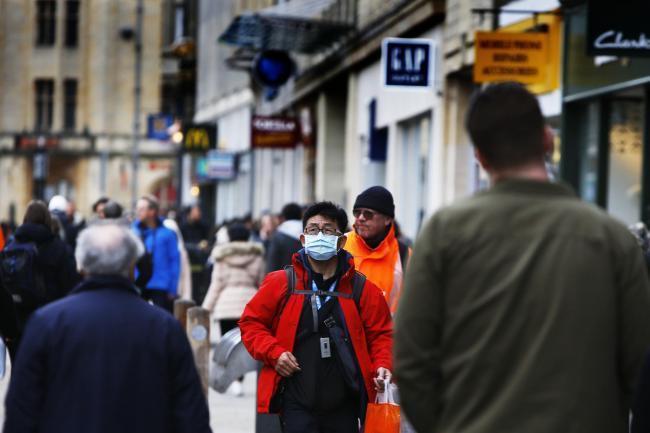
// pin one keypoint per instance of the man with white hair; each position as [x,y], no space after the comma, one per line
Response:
[102,359]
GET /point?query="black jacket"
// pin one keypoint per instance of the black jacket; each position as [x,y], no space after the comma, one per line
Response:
[103,360]
[55,259]
[281,249]
[195,232]
[55,262]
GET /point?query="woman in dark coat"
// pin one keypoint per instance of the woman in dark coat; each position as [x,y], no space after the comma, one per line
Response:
[54,262]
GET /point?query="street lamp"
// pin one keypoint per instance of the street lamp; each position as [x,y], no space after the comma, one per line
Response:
[136,34]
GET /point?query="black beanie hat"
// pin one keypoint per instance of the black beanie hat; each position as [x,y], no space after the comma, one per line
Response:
[376,198]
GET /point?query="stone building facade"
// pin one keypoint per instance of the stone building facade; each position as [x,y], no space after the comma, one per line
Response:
[67,85]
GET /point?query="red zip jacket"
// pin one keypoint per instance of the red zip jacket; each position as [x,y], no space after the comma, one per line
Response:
[267,332]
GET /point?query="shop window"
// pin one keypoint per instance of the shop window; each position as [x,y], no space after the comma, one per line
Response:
[591,154]
[414,143]
[69,104]
[625,159]
[72,23]
[44,104]
[45,22]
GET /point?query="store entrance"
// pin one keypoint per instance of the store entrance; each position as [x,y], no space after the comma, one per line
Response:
[613,155]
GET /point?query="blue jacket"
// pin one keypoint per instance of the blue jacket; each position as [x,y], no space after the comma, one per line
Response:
[161,242]
[102,360]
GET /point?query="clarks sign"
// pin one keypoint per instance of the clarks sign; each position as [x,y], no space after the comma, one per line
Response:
[618,31]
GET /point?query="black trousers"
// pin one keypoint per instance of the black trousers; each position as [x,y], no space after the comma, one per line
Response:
[160,298]
[297,419]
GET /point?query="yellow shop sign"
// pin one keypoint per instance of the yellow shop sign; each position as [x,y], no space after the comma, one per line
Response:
[502,56]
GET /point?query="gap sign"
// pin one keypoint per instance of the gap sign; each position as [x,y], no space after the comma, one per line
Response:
[407,62]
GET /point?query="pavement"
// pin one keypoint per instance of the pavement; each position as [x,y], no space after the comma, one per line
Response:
[228,414]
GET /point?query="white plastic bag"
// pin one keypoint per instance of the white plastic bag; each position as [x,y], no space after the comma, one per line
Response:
[386,396]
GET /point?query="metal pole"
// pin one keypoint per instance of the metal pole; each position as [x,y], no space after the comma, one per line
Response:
[252,178]
[135,156]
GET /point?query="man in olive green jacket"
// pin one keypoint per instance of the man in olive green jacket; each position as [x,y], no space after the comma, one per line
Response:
[524,309]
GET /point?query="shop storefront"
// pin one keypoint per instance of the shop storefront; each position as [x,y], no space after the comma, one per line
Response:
[605,110]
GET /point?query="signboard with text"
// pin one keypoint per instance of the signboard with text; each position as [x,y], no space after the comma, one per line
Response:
[28,142]
[274,132]
[199,138]
[220,165]
[501,56]
[407,63]
[158,126]
[621,30]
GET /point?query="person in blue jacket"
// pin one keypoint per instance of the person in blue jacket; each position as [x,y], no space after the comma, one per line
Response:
[160,242]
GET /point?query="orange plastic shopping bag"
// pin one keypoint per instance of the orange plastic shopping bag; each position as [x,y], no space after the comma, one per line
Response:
[383,416]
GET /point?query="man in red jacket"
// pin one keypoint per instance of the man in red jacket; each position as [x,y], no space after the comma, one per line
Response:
[323,332]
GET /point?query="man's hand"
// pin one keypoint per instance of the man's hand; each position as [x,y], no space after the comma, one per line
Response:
[287,365]
[383,377]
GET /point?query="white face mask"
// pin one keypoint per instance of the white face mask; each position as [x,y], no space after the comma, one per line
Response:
[321,247]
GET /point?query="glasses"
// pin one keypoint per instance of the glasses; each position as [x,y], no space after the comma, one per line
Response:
[314,230]
[367,214]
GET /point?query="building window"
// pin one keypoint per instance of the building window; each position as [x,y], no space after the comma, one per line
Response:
[44,104]
[69,104]
[45,22]
[72,23]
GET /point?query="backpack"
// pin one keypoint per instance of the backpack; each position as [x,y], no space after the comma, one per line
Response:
[358,281]
[20,275]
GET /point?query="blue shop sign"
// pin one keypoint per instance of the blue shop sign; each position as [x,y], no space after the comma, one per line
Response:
[220,165]
[407,62]
[158,126]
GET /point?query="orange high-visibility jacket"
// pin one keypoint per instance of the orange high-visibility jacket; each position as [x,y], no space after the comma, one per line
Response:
[381,265]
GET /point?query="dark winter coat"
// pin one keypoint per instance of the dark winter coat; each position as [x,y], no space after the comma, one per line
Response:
[284,243]
[70,229]
[195,232]
[103,360]
[56,264]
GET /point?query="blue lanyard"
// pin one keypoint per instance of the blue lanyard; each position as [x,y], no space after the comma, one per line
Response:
[314,287]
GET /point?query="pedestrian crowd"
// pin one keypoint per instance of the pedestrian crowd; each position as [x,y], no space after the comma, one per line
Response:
[520,308]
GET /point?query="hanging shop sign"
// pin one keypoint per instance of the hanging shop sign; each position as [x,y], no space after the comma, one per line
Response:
[502,56]
[218,165]
[407,63]
[158,126]
[618,31]
[274,132]
[29,142]
[199,138]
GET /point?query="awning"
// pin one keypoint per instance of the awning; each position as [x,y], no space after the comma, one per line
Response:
[298,26]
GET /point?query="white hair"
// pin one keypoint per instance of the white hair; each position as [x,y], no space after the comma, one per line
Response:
[107,249]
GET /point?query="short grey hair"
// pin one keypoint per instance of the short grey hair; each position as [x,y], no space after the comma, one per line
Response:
[107,249]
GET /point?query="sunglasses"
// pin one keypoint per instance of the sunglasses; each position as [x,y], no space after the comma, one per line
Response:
[367,214]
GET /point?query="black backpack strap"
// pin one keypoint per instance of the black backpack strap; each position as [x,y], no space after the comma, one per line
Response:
[403,254]
[359,281]
[291,278]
